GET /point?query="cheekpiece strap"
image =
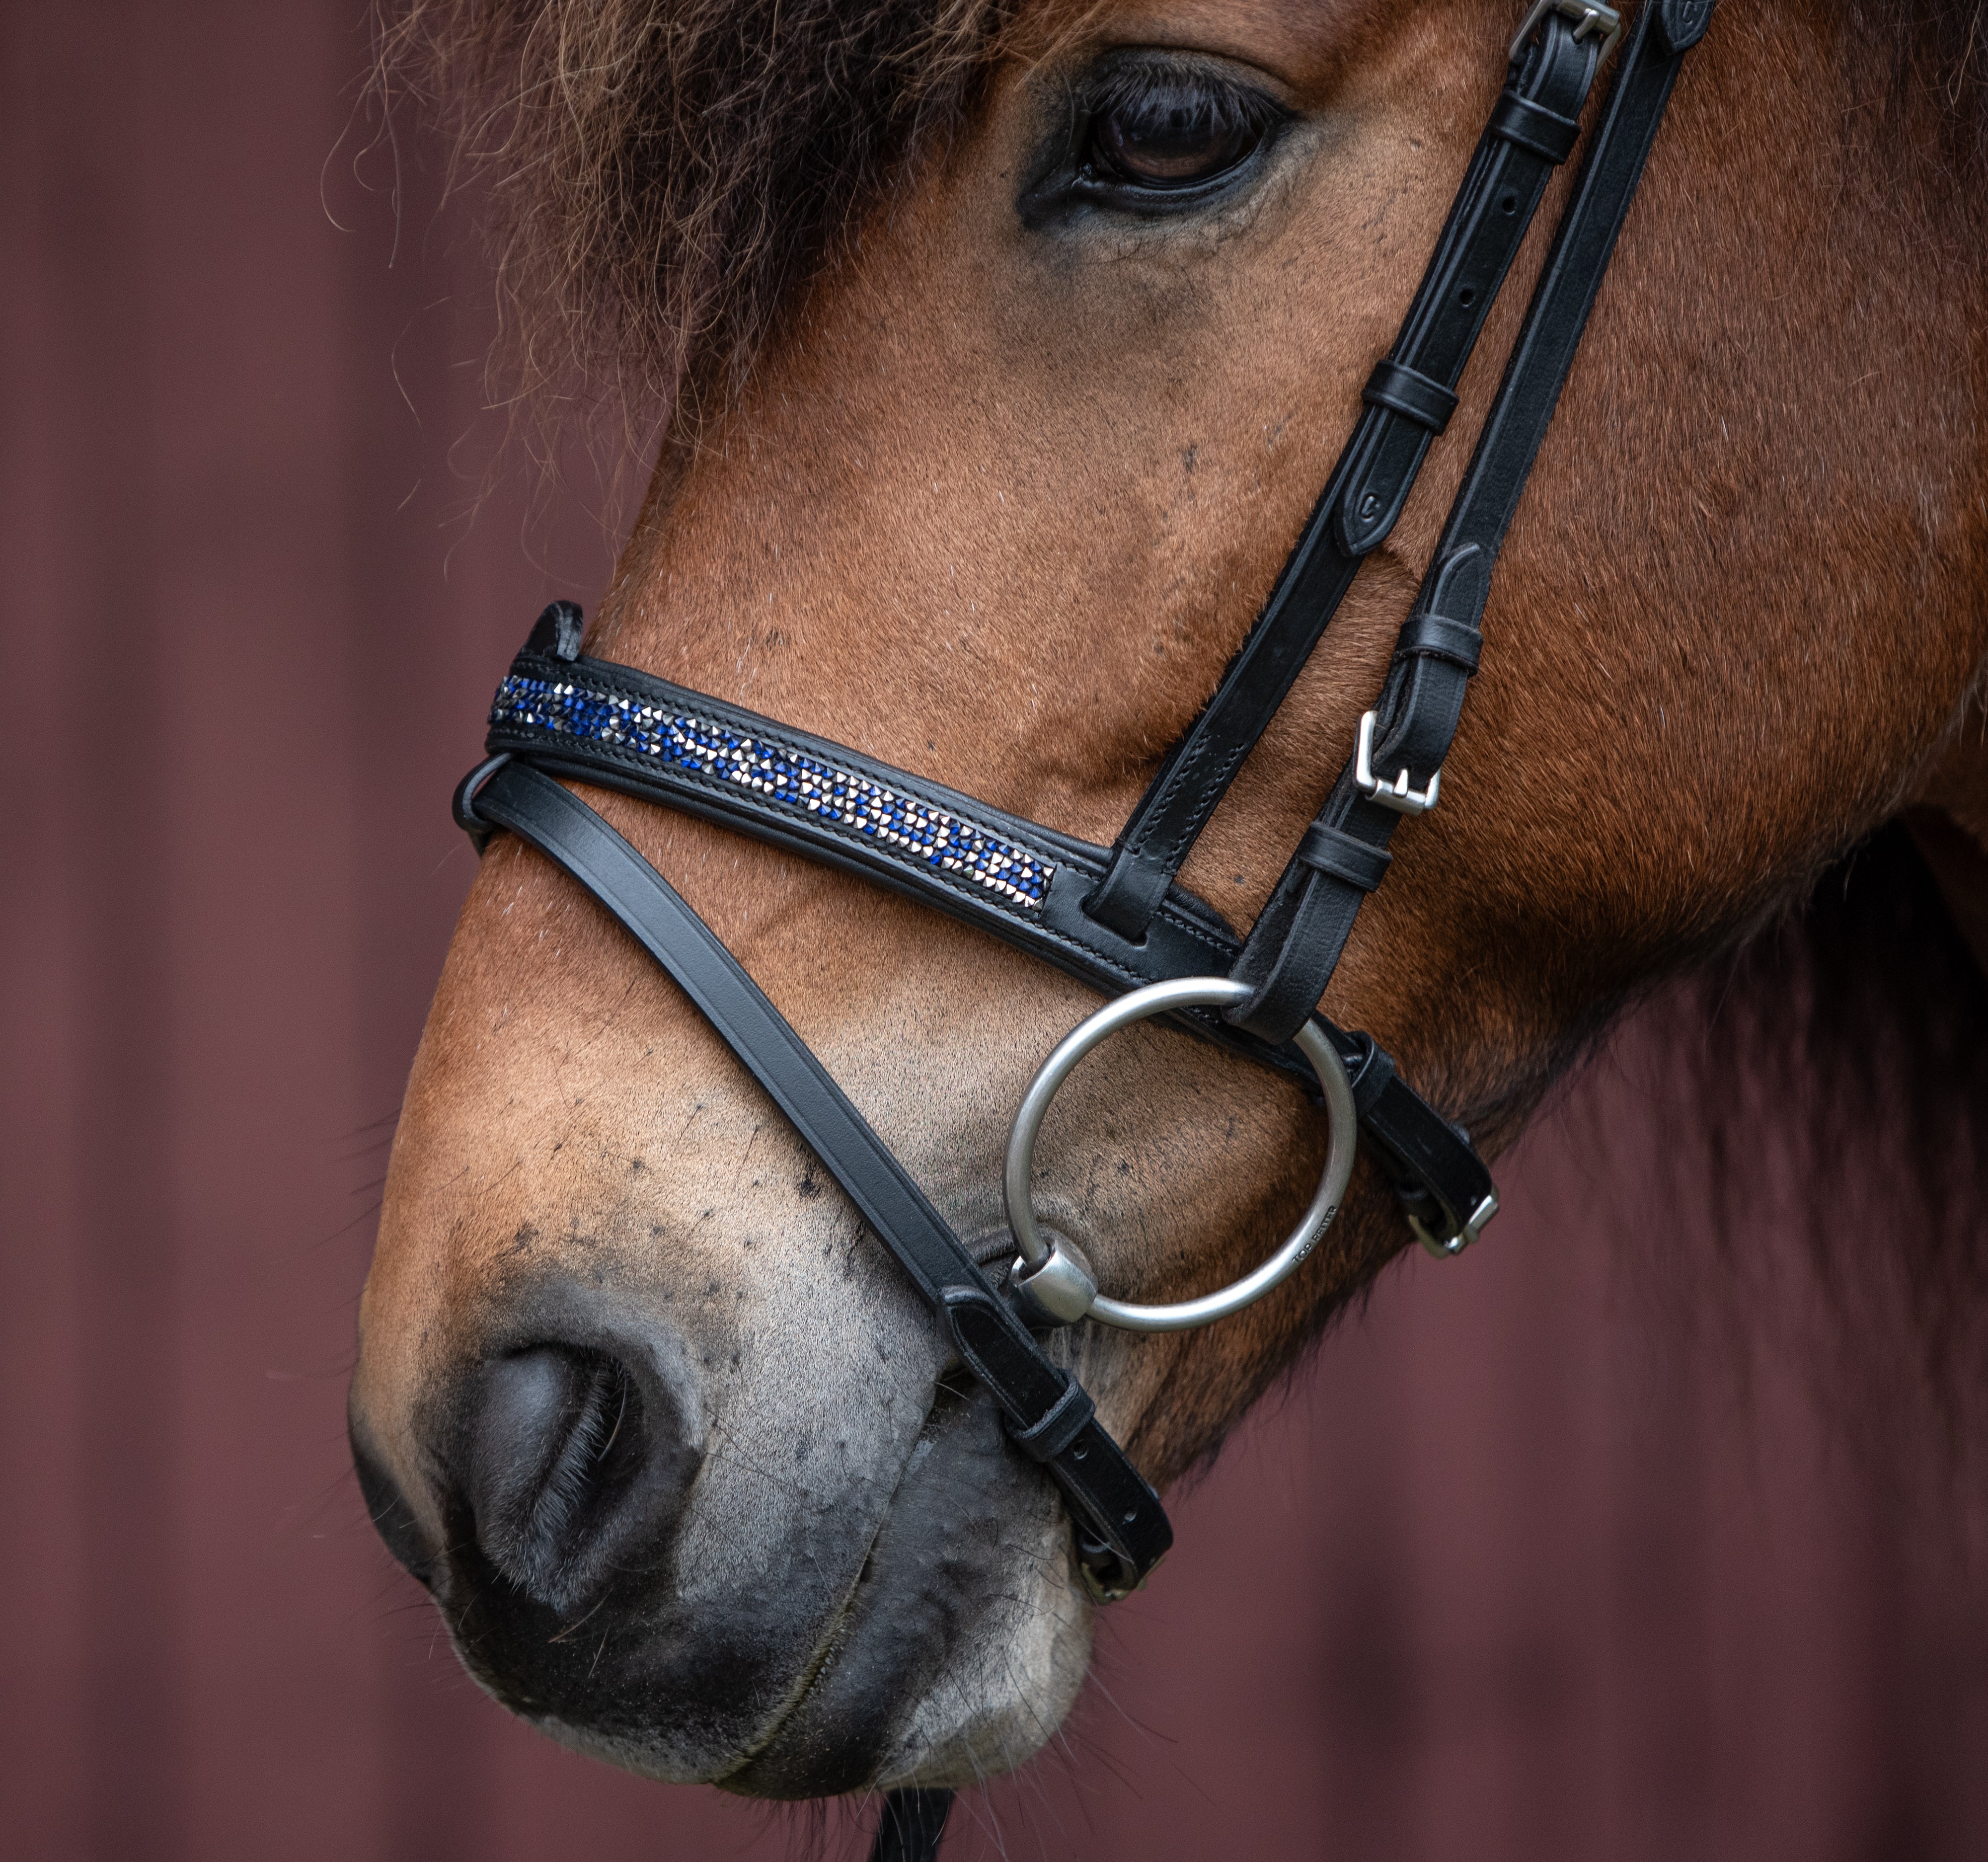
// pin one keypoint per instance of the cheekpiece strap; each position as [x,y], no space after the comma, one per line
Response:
[1407,401]
[1295,944]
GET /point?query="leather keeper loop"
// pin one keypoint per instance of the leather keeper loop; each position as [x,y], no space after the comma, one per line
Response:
[1368,1075]
[1058,1426]
[1544,133]
[462,804]
[1410,394]
[1437,636]
[1327,850]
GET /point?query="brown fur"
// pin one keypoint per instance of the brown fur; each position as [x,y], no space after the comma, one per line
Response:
[997,505]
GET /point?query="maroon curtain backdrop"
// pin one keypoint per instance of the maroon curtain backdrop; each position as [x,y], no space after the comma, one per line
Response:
[1536,1561]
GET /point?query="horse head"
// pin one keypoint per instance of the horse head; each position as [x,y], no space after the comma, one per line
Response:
[1050,353]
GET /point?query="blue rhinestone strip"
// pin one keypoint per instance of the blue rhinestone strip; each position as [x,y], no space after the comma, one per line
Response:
[907,827]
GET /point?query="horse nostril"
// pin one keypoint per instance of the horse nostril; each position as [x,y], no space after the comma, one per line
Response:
[565,1463]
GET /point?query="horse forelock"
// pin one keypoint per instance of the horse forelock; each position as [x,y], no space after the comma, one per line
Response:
[654,177]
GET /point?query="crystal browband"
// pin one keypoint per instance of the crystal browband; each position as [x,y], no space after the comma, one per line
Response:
[650,727]
[609,725]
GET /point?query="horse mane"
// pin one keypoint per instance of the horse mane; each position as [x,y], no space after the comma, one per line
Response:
[1817,1098]
[1934,53]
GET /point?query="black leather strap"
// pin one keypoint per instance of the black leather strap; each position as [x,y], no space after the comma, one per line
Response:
[1295,943]
[1103,1488]
[622,729]
[910,1826]
[1408,402]
[1681,24]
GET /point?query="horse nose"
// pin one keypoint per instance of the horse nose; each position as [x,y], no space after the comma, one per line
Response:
[569,1465]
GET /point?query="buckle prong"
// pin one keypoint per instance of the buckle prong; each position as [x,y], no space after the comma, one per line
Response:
[1396,794]
[1449,1250]
[1589,16]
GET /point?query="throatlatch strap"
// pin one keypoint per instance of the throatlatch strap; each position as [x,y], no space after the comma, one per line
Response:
[1111,1501]
[1408,400]
[1297,940]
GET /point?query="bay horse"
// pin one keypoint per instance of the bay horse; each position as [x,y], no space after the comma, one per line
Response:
[987,474]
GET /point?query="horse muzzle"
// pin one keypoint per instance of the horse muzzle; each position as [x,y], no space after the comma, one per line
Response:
[788,1620]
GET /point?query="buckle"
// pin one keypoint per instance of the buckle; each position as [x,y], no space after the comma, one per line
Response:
[1106,1577]
[1396,794]
[1589,16]
[1443,1251]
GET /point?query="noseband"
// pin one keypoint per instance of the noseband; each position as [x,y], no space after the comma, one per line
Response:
[1116,919]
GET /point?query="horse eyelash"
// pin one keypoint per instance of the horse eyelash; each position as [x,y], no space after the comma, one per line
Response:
[1231,106]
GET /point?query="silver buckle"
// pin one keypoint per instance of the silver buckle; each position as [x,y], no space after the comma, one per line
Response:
[1396,794]
[1589,17]
[1444,1251]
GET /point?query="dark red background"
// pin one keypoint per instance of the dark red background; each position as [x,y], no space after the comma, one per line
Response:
[1558,1551]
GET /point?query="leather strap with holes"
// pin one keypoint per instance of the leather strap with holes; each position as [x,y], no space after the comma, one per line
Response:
[1295,943]
[1408,400]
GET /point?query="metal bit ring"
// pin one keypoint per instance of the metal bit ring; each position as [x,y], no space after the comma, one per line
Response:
[1066,1288]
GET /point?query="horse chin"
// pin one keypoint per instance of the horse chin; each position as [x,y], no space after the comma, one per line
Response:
[964,1641]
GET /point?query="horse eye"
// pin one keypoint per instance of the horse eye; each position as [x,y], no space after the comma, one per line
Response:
[1170,137]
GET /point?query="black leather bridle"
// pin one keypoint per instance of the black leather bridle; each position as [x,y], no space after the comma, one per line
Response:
[1116,918]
